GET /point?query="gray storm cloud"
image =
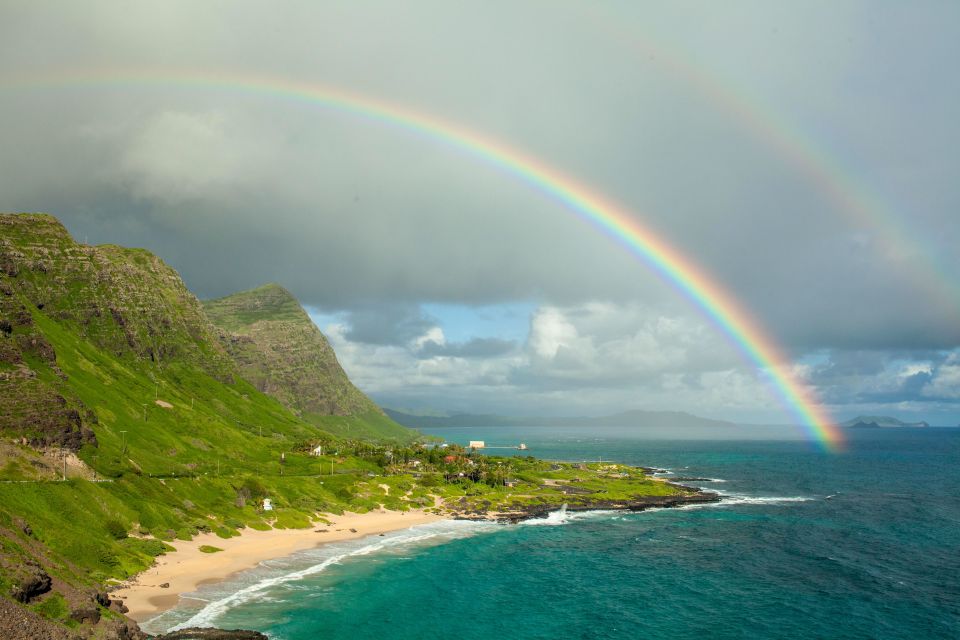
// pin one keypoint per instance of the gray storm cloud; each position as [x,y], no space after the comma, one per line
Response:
[666,109]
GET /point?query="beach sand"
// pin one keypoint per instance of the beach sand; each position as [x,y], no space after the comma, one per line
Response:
[188,568]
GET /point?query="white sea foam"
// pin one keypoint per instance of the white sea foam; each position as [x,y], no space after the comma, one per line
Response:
[738,499]
[327,555]
[562,516]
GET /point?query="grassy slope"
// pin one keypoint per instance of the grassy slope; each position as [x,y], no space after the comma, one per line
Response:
[100,334]
[117,330]
[281,351]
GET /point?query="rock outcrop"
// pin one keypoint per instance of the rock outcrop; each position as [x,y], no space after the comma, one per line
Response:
[197,633]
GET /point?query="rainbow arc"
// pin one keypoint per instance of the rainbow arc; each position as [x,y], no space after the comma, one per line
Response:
[717,304]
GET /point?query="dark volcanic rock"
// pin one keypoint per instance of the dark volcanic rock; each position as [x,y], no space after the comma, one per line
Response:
[212,634]
[122,630]
[29,581]
[88,613]
[639,504]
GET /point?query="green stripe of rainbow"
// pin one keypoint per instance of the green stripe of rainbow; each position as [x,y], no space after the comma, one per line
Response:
[719,306]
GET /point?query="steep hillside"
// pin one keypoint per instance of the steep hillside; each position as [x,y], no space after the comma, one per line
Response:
[282,353]
[110,370]
[125,423]
[104,352]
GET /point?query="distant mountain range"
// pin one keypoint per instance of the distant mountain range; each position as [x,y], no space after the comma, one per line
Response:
[636,418]
[879,422]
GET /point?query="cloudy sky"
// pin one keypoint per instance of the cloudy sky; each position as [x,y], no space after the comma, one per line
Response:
[805,154]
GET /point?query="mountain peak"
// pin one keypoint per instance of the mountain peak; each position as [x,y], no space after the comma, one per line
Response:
[282,352]
[269,302]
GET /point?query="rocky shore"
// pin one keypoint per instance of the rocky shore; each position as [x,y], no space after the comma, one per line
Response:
[527,512]
[197,633]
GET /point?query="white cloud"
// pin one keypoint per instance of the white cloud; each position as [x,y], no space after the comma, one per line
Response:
[579,359]
[945,382]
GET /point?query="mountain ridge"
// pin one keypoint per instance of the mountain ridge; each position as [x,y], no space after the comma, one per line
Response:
[279,350]
[121,411]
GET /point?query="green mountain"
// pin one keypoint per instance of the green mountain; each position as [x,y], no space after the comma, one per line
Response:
[636,418]
[883,422]
[127,420]
[111,370]
[279,349]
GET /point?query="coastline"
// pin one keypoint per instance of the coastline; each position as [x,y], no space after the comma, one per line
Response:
[183,571]
[697,496]
[186,569]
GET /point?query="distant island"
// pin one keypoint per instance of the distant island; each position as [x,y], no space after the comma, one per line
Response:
[880,422]
[636,418]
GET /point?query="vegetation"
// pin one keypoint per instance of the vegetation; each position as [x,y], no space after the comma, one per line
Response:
[282,353]
[128,420]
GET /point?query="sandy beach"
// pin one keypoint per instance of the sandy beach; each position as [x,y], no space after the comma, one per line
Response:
[188,568]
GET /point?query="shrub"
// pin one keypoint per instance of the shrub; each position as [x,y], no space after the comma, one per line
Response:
[116,529]
[151,548]
[206,548]
[107,557]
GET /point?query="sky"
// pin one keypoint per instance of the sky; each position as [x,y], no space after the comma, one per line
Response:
[803,154]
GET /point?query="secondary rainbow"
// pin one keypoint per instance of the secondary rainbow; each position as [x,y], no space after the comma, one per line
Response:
[718,305]
[816,160]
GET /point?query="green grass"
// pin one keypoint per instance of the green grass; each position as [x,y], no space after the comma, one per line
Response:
[205,463]
[52,607]
[370,425]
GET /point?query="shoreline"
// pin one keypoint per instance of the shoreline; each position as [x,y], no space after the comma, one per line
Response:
[698,496]
[183,571]
[187,569]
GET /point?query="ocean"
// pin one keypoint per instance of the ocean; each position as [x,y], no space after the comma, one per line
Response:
[863,544]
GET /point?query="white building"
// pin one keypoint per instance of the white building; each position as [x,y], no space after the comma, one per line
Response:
[267,504]
[477,444]
[318,450]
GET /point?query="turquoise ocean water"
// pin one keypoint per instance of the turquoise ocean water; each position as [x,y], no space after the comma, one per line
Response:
[865,544]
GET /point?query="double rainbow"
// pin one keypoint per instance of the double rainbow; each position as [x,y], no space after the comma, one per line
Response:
[718,305]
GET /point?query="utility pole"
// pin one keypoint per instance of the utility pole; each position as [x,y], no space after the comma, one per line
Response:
[144,411]
[123,439]
[64,456]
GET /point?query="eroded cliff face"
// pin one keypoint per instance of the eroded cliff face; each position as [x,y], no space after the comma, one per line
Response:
[126,302]
[281,352]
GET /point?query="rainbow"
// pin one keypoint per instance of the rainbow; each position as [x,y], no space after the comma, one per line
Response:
[815,161]
[606,216]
